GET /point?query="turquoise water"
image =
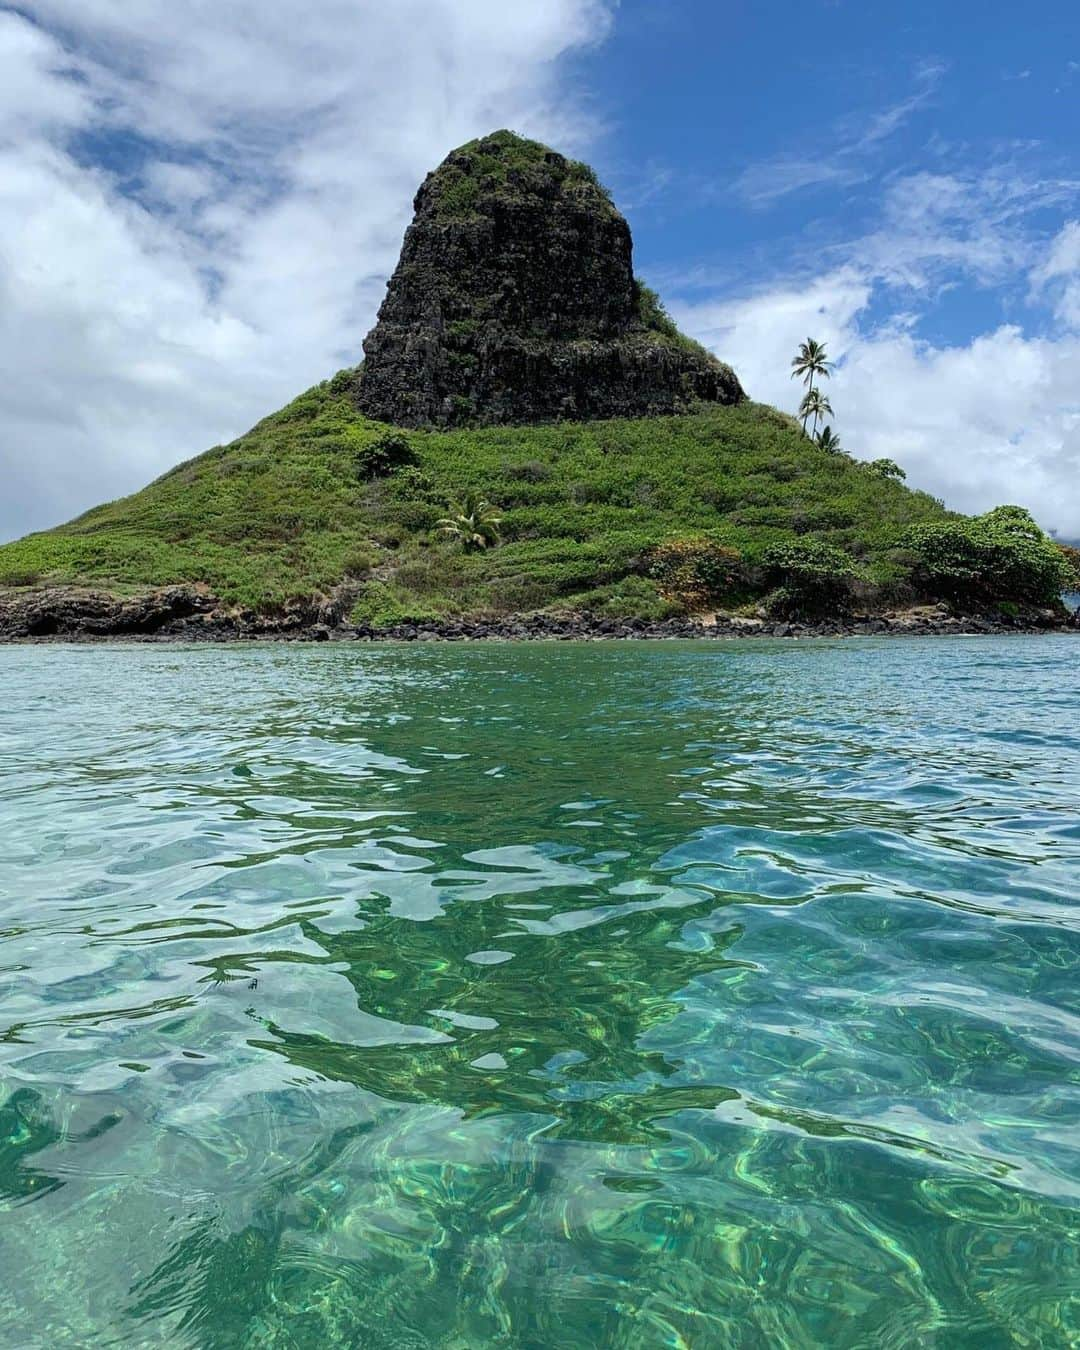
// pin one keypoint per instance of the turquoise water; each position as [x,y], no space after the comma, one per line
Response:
[667,994]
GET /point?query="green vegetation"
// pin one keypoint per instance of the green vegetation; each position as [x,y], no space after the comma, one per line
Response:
[384,455]
[644,517]
[1002,555]
[828,440]
[659,324]
[502,164]
[808,577]
[651,311]
[1071,556]
[696,572]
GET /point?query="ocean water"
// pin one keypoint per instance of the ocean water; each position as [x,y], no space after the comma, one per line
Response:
[542,995]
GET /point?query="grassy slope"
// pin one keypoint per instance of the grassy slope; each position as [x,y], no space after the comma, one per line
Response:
[280,512]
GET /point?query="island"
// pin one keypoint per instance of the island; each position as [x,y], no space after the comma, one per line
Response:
[530,447]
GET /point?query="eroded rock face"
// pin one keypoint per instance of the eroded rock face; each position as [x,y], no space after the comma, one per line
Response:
[67,611]
[514,300]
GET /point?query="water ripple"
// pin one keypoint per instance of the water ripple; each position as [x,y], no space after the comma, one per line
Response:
[629,995]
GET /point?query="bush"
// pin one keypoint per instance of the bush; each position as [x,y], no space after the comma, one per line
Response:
[413,484]
[358,562]
[651,311]
[808,577]
[280,512]
[382,456]
[343,381]
[585,492]
[521,593]
[1072,562]
[379,606]
[531,471]
[887,469]
[414,517]
[630,598]
[694,572]
[1002,555]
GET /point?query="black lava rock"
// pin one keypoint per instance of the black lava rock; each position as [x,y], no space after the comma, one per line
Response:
[514,300]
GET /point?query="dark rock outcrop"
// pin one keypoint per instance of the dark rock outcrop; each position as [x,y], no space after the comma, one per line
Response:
[514,300]
[189,614]
[65,611]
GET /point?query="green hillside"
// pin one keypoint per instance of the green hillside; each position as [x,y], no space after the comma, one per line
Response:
[289,510]
[513,306]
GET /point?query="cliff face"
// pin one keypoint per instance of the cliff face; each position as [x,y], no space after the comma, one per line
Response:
[514,300]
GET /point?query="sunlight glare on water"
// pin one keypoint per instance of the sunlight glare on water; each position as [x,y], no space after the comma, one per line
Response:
[630,995]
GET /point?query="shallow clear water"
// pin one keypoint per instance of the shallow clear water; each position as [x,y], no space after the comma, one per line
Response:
[541,995]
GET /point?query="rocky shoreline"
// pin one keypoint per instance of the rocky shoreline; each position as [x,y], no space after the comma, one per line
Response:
[188,614]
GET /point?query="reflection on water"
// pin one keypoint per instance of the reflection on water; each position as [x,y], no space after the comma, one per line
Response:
[541,995]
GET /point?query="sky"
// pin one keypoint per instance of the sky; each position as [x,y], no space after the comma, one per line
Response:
[200,205]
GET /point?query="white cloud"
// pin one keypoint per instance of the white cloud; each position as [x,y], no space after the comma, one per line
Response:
[1059,274]
[199,206]
[38,92]
[762,184]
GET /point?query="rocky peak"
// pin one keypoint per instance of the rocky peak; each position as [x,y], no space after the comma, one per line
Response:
[514,300]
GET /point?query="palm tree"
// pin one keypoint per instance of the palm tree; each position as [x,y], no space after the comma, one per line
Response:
[828,440]
[814,404]
[475,523]
[808,362]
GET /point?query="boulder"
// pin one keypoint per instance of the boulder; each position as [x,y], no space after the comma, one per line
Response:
[514,301]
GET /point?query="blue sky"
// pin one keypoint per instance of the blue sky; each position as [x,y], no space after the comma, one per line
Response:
[199,206]
[749,137]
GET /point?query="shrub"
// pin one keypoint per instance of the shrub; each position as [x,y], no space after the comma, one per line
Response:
[342,382]
[17,576]
[782,470]
[808,576]
[829,516]
[717,495]
[434,573]
[358,561]
[1002,555]
[531,471]
[584,492]
[414,517]
[630,598]
[694,572]
[379,606]
[280,512]
[651,311]
[382,456]
[886,468]
[1072,562]
[414,484]
[520,593]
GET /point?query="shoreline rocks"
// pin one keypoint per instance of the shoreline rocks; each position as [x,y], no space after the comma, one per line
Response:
[191,614]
